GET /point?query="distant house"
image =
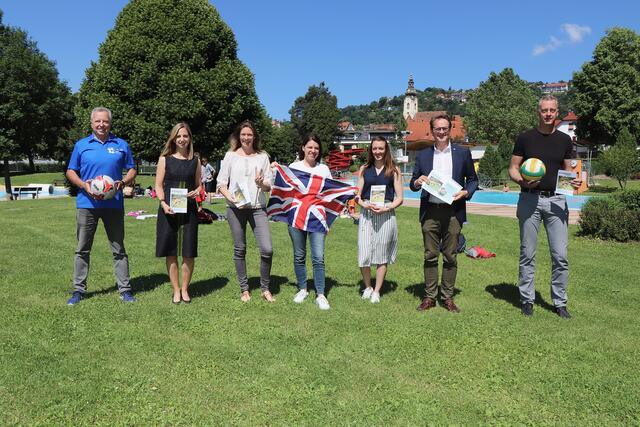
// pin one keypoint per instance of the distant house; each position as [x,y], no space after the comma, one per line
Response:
[345,126]
[276,123]
[360,137]
[551,88]
[568,125]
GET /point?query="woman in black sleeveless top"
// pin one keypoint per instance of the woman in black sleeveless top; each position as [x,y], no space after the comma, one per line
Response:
[380,189]
[177,233]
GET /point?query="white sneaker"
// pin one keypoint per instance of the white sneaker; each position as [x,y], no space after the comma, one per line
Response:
[366,294]
[375,297]
[300,296]
[322,302]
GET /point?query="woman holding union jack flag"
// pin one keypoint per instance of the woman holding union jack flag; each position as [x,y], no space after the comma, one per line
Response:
[380,189]
[244,178]
[309,153]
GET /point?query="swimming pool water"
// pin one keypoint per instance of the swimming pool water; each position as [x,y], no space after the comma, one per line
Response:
[502,198]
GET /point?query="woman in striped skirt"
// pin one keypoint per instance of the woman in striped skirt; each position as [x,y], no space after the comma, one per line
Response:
[380,189]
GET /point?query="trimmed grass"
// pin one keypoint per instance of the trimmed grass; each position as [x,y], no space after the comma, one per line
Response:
[218,361]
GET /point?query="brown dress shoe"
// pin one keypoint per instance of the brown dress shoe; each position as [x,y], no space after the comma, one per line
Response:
[426,304]
[450,306]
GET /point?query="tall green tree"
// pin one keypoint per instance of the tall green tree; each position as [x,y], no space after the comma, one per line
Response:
[502,105]
[505,150]
[607,89]
[282,143]
[35,106]
[490,166]
[621,160]
[317,112]
[165,62]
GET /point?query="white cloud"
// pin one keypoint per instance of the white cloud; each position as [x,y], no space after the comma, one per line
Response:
[574,34]
[553,44]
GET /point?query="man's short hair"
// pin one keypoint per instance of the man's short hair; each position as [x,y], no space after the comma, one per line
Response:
[439,117]
[101,110]
[547,98]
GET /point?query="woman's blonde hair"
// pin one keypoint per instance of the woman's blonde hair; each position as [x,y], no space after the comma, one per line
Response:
[170,146]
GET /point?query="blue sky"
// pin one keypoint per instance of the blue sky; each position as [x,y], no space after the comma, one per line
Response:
[362,49]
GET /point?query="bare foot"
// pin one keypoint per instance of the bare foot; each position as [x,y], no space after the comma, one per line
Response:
[185,296]
[245,296]
[268,297]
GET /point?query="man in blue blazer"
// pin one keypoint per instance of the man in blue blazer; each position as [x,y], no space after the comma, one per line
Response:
[441,222]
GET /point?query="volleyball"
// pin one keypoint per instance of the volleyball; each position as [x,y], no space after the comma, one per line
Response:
[533,169]
[103,187]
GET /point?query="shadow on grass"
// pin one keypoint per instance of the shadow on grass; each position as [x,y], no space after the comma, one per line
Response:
[138,284]
[203,288]
[602,190]
[509,292]
[417,290]
[274,286]
[388,286]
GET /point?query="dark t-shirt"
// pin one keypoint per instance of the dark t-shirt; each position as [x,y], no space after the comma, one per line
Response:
[552,149]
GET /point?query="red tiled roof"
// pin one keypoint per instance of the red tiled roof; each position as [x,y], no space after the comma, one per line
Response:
[343,125]
[421,131]
[383,126]
[571,117]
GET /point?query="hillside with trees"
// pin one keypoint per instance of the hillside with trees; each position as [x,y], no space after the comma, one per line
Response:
[389,109]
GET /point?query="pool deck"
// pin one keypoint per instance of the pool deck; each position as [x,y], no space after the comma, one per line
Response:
[494,210]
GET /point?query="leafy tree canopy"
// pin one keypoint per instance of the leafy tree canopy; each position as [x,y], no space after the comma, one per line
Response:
[35,106]
[316,112]
[165,62]
[621,160]
[608,88]
[503,105]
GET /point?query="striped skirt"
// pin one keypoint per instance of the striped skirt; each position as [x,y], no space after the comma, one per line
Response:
[377,238]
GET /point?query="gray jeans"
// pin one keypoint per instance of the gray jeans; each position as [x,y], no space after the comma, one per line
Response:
[257,219]
[553,212]
[113,221]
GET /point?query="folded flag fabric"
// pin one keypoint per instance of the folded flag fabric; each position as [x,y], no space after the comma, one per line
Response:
[305,201]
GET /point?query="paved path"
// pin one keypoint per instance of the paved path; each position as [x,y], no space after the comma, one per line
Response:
[494,210]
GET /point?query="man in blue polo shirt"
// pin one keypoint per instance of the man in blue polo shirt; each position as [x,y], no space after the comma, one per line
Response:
[100,153]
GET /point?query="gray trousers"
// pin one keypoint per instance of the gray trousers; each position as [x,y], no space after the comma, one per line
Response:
[87,224]
[553,212]
[257,219]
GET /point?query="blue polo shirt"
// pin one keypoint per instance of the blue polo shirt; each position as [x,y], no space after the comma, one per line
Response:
[91,158]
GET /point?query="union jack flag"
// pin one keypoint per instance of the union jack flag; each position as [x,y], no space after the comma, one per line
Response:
[307,202]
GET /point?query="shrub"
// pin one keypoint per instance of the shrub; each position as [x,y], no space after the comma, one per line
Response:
[615,217]
[630,199]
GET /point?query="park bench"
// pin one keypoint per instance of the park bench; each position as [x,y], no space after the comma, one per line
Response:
[19,191]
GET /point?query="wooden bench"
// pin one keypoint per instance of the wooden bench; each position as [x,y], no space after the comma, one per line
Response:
[19,191]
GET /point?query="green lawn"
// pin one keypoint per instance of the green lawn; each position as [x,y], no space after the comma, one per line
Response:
[220,362]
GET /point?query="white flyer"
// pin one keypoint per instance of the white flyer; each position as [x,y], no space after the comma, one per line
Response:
[563,182]
[441,187]
[178,200]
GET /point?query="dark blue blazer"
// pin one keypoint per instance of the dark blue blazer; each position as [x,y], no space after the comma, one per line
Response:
[463,173]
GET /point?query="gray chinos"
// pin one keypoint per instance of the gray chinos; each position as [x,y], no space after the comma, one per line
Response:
[553,212]
[113,221]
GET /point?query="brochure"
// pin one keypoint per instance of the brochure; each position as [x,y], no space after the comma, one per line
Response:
[241,194]
[376,198]
[563,183]
[441,187]
[178,200]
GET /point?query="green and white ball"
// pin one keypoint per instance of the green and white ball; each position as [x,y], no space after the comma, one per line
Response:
[533,169]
